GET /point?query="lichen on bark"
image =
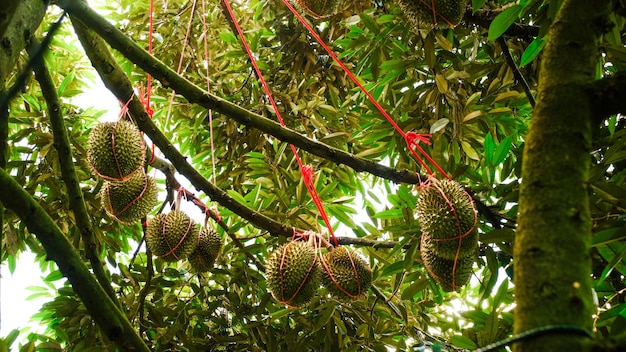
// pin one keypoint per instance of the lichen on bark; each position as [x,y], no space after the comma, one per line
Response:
[552,249]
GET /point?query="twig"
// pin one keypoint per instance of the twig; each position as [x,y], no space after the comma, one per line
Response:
[516,72]
[68,172]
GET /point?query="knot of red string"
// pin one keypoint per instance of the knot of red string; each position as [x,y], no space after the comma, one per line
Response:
[413,138]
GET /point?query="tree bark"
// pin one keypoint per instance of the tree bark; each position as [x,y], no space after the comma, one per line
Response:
[552,248]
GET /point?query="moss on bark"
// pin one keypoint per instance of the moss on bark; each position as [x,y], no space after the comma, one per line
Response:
[552,261]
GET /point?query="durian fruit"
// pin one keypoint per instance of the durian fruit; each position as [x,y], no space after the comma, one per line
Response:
[130,201]
[115,150]
[346,275]
[172,236]
[450,248]
[318,8]
[451,275]
[207,251]
[442,13]
[445,210]
[293,273]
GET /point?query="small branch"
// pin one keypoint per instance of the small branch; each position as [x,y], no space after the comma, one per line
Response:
[68,172]
[483,19]
[110,319]
[114,37]
[516,72]
[607,97]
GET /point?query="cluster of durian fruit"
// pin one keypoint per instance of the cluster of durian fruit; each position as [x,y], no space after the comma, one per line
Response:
[296,269]
[442,13]
[449,241]
[116,152]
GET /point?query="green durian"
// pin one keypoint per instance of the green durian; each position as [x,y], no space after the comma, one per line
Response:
[293,273]
[131,200]
[115,150]
[207,251]
[449,248]
[172,236]
[346,275]
[445,210]
[446,12]
[451,275]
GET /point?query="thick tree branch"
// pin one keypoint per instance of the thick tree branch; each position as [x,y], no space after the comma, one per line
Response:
[102,309]
[607,97]
[194,94]
[68,172]
[115,80]
[21,24]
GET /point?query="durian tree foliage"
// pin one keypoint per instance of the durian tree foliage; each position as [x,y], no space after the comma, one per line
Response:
[473,87]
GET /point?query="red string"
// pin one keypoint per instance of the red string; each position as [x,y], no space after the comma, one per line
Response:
[306,171]
[409,137]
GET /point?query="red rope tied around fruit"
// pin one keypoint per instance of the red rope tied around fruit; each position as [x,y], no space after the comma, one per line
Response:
[412,139]
[435,14]
[305,170]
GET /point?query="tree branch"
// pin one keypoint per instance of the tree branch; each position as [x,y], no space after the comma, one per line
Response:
[102,309]
[607,97]
[116,80]
[68,172]
[516,72]
[81,12]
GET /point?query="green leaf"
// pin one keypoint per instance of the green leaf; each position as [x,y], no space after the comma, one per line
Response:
[498,236]
[503,21]
[477,4]
[414,288]
[502,151]
[608,236]
[322,320]
[462,342]
[439,125]
[531,52]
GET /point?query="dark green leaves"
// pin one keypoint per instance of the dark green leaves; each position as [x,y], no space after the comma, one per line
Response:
[503,21]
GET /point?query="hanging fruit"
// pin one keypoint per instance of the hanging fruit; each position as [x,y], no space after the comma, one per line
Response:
[172,236]
[293,273]
[346,275]
[115,150]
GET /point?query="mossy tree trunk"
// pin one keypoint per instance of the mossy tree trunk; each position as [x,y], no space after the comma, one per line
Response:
[552,249]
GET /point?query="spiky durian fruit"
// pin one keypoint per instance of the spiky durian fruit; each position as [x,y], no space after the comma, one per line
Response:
[207,251]
[346,275]
[318,8]
[172,236]
[450,248]
[445,210]
[293,273]
[130,201]
[451,275]
[115,150]
[442,13]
